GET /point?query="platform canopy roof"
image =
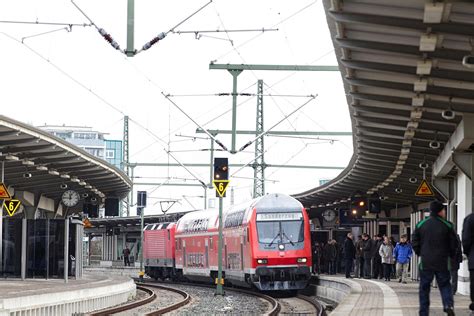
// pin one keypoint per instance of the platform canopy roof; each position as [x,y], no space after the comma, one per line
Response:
[402,66]
[52,162]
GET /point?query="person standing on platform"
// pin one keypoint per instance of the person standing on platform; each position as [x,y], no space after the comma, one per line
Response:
[386,254]
[455,263]
[330,256]
[377,259]
[126,256]
[367,252]
[349,254]
[468,248]
[402,255]
[434,240]
[359,264]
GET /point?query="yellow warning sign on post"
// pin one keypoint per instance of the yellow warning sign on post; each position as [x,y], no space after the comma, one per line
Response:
[424,189]
[221,186]
[11,206]
[4,192]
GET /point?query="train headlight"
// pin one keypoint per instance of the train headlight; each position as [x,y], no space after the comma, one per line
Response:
[281,247]
[262,261]
[301,260]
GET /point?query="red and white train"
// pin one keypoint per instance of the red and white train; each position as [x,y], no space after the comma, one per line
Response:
[266,244]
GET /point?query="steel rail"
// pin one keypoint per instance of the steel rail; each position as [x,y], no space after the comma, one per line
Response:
[319,307]
[125,307]
[275,305]
[172,307]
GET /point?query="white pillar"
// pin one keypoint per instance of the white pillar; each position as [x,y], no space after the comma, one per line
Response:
[464,193]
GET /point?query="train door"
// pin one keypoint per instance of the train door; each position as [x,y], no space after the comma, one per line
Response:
[242,253]
[206,254]
[184,253]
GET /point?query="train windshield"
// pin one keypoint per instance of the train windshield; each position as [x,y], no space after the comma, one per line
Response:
[275,228]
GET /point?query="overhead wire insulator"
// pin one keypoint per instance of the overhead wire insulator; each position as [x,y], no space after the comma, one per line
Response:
[158,38]
[108,38]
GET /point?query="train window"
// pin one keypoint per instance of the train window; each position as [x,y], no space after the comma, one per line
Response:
[248,234]
[169,235]
[210,243]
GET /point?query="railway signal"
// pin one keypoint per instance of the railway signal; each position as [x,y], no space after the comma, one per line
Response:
[358,206]
[220,182]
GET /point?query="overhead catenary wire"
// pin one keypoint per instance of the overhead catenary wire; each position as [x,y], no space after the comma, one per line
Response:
[101,31]
[227,31]
[46,23]
[104,101]
[273,26]
[162,35]
[217,141]
[244,94]
[67,28]
[276,124]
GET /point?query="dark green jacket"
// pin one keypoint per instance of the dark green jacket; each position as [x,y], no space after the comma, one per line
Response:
[435,241]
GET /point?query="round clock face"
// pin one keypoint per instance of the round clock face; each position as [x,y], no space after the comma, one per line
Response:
[329,215]
[70,198]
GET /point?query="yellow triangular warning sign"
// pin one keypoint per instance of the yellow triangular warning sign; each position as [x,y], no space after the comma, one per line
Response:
[221,186]
[424,189]
[11,206]
[4,192]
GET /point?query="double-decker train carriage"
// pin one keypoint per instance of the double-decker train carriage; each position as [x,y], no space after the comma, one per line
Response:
[266,244]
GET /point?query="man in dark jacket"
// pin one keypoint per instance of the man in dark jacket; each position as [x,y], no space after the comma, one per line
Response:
[330,255]
[455,262]
[377,260]
[468,248]
[359,267]
[434,240]
[349,254]
[367,253]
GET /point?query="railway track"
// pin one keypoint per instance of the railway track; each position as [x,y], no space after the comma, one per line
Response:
[151,290]
[275,306]
[300,305]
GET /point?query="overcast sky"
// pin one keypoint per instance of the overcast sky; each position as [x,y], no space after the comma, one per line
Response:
[76,78]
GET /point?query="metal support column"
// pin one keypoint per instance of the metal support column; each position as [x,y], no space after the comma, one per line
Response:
[141,273]
[126,156]
[66,249]
[211,165]
[235,74]
[259,163]
[132,171]
[219,289]
[130,27]
[24,224]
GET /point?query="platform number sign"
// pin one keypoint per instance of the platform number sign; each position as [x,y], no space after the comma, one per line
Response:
[11,206]
[221,187]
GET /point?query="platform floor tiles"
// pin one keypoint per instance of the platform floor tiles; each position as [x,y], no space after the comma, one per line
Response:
[380,298]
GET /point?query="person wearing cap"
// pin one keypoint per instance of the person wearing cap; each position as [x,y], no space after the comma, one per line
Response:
[434,240]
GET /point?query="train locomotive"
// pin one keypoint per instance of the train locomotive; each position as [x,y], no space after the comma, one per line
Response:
[266,244]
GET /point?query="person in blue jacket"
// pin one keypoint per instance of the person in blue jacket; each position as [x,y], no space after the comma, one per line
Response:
[402,254]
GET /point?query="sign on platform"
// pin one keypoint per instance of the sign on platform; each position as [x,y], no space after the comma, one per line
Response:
[4,192]
[221,186]
[11,206]
[424,189]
